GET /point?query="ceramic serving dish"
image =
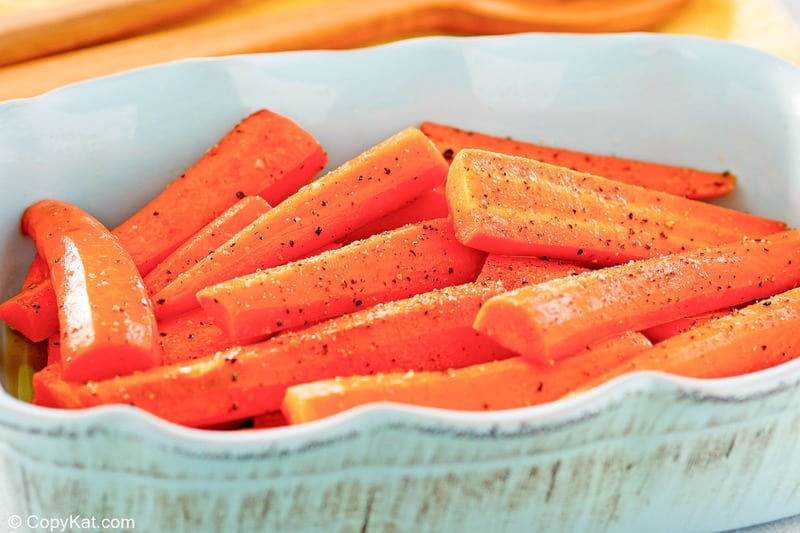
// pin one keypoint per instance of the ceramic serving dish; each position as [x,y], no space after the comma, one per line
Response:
[646,452]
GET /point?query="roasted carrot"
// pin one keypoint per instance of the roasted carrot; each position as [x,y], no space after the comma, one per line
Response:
[265,154]
[33,311]
[512,205]
[273,419]
[666,330]
[392,265]
[383,178]
[681,181]
[429,331]
[106,320]
[428,205]
[205,241]
[51,390]
[504,384]
[520,270]
[190,335]
[755,337]
[54,348]
[37,273]
[554,319]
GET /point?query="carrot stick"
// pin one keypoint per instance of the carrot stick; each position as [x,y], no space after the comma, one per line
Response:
[37,273]
[54,348]
[429,331]
[33,311]
[682,181]
[666,330]
[428,205]
[273,419]
[520,270]
[381,179]
[106,319]
[504,384]
[556,318]
[189,336]
[205,241]
[397,264]
[265,154]
[758,336]
[512,205]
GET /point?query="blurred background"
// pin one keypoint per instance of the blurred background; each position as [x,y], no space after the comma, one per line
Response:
[48,43]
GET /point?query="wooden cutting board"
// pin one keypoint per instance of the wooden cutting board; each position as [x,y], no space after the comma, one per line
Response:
[266,25]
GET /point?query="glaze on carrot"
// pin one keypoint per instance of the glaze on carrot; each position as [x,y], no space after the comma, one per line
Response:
[512,205]
[205,241]
[554,319]
[755,337]
[681,181]
[429,331]
[37,273]
[666,330]
[189,336]
[265,154]
[520,270]
[383,178]
[504,384]
[392,265]
[427,206]
[105,317]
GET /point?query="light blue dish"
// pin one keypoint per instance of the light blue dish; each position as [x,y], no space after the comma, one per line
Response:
[644,453]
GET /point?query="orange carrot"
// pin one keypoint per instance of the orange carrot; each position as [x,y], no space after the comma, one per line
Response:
[491,386]
[519,270]
[681,181]
[428,205]
[392,265]
[190,335]
[51,390]
[33,311]
[758,336]
[429,331]
[266,154]
[512,205]
[37,273]
[383,178]
[556,318]
[205,241]
[273,419]
[105,317]
[54,348]
[666,330]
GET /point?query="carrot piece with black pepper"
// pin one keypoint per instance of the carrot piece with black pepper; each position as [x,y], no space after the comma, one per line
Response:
[392,265]
[682,181]
[429,331]
[520,270]
[504,384]
[265,154]
[554,319]
[106,320]
[382,178]
[37,273]
[669,329]
[205,241]
[190,335]
[513,205]
[758,336]
[428,205]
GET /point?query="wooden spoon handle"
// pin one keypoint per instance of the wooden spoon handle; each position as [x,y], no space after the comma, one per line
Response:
[35,33]
[334,24]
